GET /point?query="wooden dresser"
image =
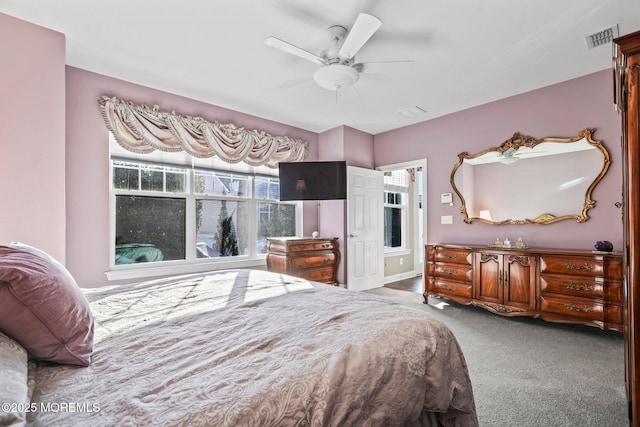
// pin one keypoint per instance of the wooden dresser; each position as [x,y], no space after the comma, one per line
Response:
[555,285]
[312,259]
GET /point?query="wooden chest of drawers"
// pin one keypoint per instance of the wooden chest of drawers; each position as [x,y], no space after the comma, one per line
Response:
[450,271]
[555,285]
[582,288]
[311,259]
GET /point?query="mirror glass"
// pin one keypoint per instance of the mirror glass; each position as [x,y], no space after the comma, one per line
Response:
[530,181]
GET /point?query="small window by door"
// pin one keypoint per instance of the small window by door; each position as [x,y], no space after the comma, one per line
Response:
[396,196]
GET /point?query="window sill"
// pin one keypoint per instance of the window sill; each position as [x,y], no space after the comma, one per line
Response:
[397,252]
[169,270]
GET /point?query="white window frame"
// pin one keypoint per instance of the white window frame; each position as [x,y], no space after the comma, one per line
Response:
[191,263]
[403,206]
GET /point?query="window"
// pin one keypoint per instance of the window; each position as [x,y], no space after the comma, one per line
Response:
[393,214]
[274,218]
[396,196]
[173,214]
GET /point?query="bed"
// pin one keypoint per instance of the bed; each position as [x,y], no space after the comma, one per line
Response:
[234,348]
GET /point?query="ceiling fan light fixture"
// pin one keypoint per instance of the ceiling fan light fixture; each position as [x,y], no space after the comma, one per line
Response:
[336,77]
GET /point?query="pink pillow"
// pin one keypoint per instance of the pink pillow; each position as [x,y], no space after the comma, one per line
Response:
[42,307]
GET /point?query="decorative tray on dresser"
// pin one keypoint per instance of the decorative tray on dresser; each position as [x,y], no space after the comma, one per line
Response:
[309,258]
[556,285]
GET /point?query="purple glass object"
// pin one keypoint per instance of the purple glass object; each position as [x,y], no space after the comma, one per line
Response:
[604,246]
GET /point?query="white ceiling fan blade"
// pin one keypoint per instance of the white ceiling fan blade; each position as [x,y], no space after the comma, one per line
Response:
[384,67]
[294,50]
[362,30]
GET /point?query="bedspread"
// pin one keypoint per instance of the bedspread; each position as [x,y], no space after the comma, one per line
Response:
[253,348]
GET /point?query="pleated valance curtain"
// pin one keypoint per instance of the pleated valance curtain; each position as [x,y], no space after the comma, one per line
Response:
[142,130]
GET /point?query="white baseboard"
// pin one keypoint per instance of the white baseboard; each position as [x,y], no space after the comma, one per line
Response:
[400,276]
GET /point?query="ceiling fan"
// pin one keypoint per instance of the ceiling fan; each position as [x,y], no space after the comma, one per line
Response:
[512,155]
[338,69]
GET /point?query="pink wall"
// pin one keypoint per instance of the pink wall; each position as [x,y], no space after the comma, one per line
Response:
[88,160]
[331,213]
[32,140]
[356,148]
[561,110]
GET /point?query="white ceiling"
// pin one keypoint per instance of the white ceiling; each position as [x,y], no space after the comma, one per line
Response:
[466,52]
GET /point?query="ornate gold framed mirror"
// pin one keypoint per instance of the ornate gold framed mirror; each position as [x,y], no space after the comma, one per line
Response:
[531,181]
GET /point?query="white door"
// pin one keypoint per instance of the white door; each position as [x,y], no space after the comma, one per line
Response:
[365,229]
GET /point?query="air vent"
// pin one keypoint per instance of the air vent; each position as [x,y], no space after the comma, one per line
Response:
[412,111]
[601,37]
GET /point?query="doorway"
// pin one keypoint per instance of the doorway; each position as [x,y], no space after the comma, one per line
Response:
[405,213]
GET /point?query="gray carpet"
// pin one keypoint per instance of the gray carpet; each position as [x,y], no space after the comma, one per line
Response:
[528,372]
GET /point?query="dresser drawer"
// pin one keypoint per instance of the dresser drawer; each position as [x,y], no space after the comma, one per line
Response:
[310,246]
[316,275]
[571,285]
[317,260]
[577,308]
[582,287]
[582,266]
[610,315]
[453,271]
[450,287]
[453,255]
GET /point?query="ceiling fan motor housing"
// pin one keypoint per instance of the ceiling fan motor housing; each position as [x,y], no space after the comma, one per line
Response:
[331,55]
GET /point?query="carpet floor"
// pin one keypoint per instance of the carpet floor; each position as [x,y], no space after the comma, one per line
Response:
[528,372]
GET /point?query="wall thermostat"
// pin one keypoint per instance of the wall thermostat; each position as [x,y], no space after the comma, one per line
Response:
[446,198]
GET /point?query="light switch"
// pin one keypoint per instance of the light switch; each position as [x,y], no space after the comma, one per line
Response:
[446,219]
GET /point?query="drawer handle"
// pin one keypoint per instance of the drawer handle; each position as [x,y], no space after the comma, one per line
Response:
[574,307]
[578,287]
[452,256]
[585,266]
[448,288]
[326,260]
[445,271]
[326,245]
[303,263]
